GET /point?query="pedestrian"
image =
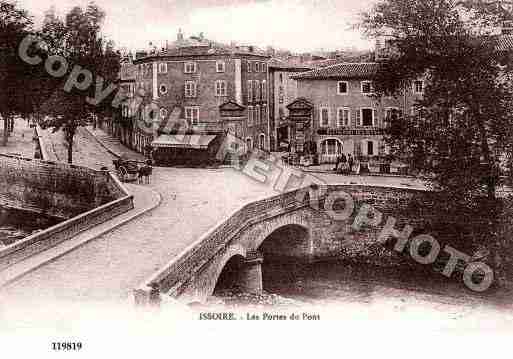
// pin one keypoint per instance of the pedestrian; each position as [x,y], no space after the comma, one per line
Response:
[337,162]
[350,161]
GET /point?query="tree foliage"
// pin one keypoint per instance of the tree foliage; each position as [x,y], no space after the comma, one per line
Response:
[77,38]
[15,24]
[464,121]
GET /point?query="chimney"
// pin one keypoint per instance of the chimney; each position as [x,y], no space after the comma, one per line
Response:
[179,36]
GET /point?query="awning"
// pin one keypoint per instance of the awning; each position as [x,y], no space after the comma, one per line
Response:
[183,141]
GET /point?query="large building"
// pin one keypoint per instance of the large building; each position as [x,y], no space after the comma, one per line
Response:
[335,112]
[211,88]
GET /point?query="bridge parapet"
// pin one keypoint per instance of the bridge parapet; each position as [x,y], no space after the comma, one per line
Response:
[211,249]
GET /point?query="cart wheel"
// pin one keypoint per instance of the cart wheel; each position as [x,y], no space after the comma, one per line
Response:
[122,173]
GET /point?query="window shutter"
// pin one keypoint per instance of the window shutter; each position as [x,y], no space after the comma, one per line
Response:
[364,147]
[358,117]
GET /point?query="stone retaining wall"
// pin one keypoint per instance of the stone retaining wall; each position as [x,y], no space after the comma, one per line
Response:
[53,189]
[81,197]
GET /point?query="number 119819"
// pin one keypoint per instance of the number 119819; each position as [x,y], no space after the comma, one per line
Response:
[66,346]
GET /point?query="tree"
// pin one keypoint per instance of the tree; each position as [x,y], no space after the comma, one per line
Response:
[464,121]
[15,24]
[91,61]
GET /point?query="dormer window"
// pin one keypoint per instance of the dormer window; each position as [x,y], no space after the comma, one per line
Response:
[190,67]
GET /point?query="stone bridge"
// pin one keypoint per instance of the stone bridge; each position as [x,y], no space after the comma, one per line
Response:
[295,225]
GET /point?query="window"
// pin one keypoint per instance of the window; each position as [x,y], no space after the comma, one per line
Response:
[250,91]
[264,67]
[221,88]
[370,148]
[391,111]
[163,113]
[367,87]
[220,66]
[262,141]
[257,66]
[257,90]
[390,114]
[264,112]
[190,89]
[365,117]
[249,66]
[281,94]
[163,89]
[249,144]
[418,87]
[192,115]
[331,147]
[264,90]
[281,78]
[250,116]
[190,67]
[325,117]
[257,115]
[344,116]
[342,88]
[162,68]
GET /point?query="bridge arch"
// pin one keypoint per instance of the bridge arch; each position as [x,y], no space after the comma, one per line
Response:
[289,240]
[213,272]
[264,231]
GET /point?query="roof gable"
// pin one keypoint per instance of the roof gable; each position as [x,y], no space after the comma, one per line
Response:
[231,106]
[300,104]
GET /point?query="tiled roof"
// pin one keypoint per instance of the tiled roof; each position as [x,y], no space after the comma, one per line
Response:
[341,71]
[288,64]
[205,50]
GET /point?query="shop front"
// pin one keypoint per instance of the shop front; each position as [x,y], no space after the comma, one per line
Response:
[186,149]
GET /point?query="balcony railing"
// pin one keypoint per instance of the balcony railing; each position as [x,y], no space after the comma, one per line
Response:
[341,131]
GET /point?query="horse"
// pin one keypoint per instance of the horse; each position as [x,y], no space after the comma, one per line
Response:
[145,172]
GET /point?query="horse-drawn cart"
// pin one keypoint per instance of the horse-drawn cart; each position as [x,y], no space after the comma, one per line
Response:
[128,170]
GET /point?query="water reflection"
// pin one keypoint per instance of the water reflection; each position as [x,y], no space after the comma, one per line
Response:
[347,281]
[16,225]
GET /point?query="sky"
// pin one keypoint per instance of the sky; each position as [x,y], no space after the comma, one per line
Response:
[297,25]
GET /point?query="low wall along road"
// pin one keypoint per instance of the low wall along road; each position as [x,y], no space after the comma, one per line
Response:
[81,197]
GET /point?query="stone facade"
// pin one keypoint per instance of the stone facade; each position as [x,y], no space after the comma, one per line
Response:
[57,190]
[282,91]
[346,117]
[188,83]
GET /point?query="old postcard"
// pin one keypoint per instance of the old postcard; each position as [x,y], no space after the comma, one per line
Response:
[239,177]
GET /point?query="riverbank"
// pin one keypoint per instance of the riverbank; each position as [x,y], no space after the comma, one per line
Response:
[296,285]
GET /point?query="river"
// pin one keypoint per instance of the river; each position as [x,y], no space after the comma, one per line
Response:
[340,281]
[16,225]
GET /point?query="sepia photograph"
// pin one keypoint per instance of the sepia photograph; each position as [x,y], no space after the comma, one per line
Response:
[240,177]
